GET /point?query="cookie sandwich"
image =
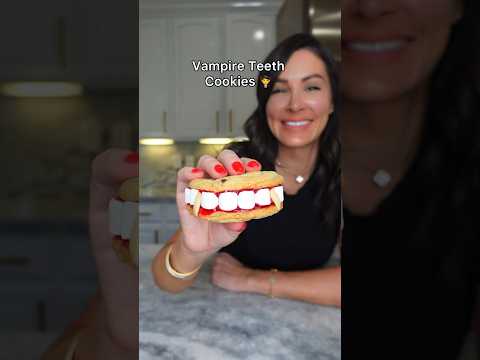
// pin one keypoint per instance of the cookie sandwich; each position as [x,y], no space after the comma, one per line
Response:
[123,218]
[236,198]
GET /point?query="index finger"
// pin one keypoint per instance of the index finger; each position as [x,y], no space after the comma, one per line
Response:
[109,170]
[251,164]
[184,176]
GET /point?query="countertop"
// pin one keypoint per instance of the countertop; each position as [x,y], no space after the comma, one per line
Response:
[207,322]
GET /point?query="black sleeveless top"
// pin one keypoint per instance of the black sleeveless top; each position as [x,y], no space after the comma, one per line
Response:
[409,272]
[291,240]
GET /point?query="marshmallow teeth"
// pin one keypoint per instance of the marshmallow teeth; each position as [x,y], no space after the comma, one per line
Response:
[197,202]
[122,215]
[229,200]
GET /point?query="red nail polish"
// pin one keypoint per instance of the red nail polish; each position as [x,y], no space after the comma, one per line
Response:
[196,170]
[131,158]
[238,167]
[220,169]
[253,164]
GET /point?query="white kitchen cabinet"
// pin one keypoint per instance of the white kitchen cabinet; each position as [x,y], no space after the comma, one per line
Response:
[198,107]
[207,31]
[106,37]
[31,39]
[154,78]
[47,276]
[95,43]
[248,37]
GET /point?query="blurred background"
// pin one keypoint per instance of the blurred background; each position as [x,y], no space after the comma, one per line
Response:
[68,90]
[179,117]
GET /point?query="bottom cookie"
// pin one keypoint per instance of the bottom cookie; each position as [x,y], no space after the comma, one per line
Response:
[238,216]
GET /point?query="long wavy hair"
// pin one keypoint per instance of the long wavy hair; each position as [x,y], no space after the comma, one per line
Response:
[449,165]
[264,146]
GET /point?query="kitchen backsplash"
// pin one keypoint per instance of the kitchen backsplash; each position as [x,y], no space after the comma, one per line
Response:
[159,166]
[46,175]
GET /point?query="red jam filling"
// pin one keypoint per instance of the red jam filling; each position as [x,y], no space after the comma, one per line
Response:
[124,242]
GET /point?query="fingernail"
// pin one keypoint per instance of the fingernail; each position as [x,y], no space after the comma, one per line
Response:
[238,167]
[220,169]
[196,170]
[131,158]
[253,164]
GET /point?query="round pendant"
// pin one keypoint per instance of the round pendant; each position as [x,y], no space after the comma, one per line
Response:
[382,178]
[299,179]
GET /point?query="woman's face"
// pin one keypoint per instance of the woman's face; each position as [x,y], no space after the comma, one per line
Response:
[390,47]
[301,101]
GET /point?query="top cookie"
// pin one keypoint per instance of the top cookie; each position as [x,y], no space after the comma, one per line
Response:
[252,180]
[129,190]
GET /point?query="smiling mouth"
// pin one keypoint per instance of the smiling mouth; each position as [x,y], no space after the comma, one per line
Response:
[375,47]
[296,123]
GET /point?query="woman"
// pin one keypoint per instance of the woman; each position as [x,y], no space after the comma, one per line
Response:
[410,154]
[293,131]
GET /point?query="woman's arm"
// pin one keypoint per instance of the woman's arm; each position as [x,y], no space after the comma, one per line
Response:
[322,286]
[181,260]
[58,349]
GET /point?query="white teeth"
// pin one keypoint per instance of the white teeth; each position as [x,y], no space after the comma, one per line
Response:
[209,200]
[262,197]
[193,195]
[246,200]
[279,192]
[129,213]
[115,216]
[228,201]
[296,123]
[122,215]
[377,46]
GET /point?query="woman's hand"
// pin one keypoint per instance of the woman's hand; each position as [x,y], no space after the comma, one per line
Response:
[114,333]
[231,274]
[197,239]
[201,237]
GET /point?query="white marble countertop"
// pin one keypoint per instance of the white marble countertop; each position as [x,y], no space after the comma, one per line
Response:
[208,323]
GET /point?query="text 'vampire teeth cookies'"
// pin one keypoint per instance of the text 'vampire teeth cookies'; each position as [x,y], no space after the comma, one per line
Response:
[123,218]
[236,198]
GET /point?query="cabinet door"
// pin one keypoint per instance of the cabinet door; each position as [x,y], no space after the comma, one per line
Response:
[153,90]
[34,41]
[107,43]
[248,37]
[198,107]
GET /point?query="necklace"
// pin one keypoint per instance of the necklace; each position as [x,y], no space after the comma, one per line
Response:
[382,177]
[298,178]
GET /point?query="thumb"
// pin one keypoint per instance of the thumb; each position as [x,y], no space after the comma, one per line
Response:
[236,227]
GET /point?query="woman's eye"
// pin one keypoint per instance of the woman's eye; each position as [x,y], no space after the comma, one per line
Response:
[313,88]
[276,91]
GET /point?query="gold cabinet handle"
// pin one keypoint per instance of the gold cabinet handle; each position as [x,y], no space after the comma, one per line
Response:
[217,121]
[165,121]
[61,38]
[230,120]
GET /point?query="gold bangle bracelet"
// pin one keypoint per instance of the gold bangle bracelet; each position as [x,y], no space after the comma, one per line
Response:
[172,271]
[272,280]
[72,348]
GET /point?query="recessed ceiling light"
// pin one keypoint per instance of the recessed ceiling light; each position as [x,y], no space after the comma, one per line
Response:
[215,141]
[156,141]
[41,89]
